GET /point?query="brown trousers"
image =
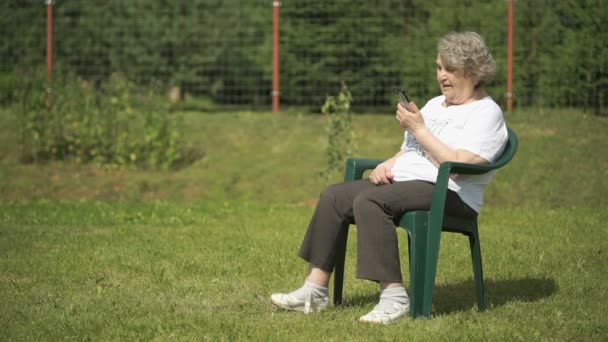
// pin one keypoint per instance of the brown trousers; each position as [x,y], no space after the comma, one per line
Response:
[376,210]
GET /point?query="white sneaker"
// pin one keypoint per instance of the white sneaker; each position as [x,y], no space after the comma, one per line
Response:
[383,317]
[289,302]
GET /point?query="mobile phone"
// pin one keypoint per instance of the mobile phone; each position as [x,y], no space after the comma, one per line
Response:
[402,95]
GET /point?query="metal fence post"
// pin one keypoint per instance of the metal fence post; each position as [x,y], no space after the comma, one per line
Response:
[49,38]
[275,56]
[510,59]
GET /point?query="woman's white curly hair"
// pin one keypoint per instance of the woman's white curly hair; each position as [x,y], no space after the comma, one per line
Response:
[469,51]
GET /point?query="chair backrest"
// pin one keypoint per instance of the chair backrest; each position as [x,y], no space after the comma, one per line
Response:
[509,152]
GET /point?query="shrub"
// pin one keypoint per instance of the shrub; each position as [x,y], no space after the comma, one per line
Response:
[340,133]
[111,124]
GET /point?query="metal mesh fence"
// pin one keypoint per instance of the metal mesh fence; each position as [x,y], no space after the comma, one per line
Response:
[220,52]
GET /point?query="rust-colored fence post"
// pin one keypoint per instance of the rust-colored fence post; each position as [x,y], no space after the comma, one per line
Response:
[510,59]
[275,56]
[49,38]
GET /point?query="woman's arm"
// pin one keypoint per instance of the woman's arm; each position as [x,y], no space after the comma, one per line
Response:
[382,173]
[436,150]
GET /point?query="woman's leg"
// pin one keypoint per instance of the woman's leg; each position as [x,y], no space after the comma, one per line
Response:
[375,209]
[318,276]
[376,212]
[329,223]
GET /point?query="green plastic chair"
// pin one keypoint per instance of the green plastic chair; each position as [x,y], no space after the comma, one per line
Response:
[424,232]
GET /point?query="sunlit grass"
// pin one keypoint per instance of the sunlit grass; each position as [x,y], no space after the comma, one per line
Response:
[92,253]
[158,270]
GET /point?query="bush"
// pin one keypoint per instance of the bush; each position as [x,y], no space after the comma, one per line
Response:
[340,133]
[111,124]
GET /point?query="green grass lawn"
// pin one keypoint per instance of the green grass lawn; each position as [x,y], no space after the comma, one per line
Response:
[94,253]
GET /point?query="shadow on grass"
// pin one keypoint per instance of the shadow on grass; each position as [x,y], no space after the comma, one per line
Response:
[455,297]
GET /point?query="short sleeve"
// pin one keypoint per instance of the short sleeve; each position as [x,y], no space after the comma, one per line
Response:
[485,132]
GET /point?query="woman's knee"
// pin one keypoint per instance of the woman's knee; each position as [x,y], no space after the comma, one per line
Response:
[365,202]
[329,193]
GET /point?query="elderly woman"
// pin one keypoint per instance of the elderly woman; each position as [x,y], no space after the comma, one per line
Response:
[462,125]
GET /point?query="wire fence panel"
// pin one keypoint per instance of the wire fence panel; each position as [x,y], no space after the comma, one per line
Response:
[220,52]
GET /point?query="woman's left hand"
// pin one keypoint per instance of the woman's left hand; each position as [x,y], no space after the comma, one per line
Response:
[409,117]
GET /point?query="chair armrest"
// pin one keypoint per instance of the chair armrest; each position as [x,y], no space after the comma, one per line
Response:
[468,169]
[355,167]
[443,177]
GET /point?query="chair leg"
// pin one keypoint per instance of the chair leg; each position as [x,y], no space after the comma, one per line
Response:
[415,225]
[416,250]
[431,256]
[339,269]
[477,270]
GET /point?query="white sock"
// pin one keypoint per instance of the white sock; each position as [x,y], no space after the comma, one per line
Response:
[303,292]
[390,296]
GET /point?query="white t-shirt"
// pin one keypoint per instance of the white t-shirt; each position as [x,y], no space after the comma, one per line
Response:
[477,127]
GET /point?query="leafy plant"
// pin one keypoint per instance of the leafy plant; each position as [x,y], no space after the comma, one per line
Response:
[340,133]
[111,124]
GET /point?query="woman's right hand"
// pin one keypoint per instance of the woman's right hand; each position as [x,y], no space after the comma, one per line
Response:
[381,174]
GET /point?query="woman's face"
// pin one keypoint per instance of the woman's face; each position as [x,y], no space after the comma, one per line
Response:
[456,88]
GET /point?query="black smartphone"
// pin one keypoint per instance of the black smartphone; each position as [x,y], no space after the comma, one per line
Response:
[402,95]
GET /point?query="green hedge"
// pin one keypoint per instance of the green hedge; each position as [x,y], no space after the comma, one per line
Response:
[112,124]
[222,50]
